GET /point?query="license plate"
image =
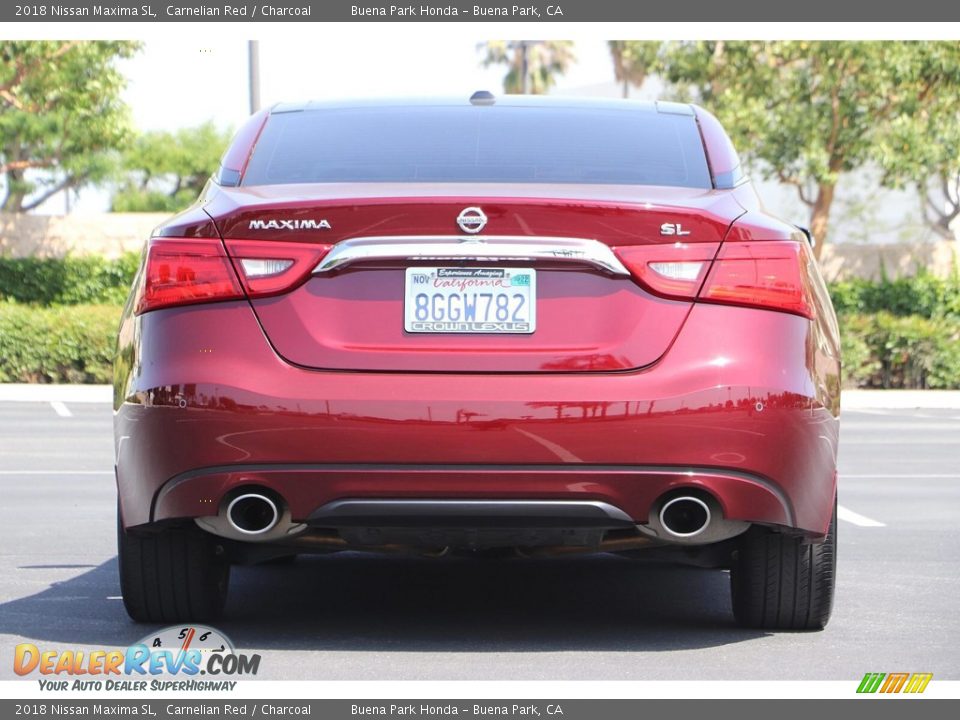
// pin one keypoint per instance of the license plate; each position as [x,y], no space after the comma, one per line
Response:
[470,300]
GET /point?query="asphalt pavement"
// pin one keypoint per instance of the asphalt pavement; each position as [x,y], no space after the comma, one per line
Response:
[360,617]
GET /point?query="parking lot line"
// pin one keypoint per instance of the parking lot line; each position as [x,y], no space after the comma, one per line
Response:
[61,409]
[905,476]
[56,472]
[850,516]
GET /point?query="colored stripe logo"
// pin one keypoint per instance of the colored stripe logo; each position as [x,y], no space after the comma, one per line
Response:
[894,682]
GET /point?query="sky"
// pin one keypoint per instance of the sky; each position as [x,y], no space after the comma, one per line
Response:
[181,83]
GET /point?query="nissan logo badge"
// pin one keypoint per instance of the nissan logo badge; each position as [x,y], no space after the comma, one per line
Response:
[471,220]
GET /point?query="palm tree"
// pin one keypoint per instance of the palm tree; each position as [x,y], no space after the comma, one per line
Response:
[633,61]
[533,65]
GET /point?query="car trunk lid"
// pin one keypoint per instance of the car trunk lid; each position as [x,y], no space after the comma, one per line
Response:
[590,315]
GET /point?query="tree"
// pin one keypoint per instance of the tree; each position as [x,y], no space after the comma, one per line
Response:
[922,148]
[164,171]
[60,115]
[810,112]
[940,200]
[533,65]
[633,61]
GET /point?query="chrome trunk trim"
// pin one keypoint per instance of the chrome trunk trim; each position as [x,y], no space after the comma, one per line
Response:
[487,248]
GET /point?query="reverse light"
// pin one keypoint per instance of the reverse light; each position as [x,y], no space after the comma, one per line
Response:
[267,267]
[674,271]
[184,272]
[263,268]
[682,271]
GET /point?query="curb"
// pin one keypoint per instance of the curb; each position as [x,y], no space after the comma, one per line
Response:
[850,399]
[28,392]
[900,399]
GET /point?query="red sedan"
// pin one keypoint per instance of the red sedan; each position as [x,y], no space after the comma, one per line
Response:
[514,325]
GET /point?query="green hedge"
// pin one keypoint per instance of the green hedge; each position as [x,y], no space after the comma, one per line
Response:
[66,344]
[924,295]
[89,279]
[902,333]
[883,350]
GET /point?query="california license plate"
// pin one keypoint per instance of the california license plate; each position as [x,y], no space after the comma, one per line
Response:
[470,300]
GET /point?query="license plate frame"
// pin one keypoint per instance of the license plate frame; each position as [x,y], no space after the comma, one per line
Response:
[457,303]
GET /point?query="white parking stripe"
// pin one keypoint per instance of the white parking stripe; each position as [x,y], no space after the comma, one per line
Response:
[856,518]
[61,409]
[55,472]
[905,476]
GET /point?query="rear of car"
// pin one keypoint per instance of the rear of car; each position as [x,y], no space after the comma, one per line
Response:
[518,324]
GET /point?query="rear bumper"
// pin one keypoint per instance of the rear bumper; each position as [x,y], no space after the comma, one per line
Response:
[311,491]
[744,406]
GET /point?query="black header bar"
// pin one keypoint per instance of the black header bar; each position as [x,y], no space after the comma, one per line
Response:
[204,705]
[568,11]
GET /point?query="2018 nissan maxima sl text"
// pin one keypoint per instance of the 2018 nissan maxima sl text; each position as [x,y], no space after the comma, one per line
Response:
[487,325]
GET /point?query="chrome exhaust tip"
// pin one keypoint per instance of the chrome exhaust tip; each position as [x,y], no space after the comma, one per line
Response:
[695,518]
[252,514]
[685,516]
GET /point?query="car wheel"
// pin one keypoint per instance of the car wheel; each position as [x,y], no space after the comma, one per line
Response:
[778,582]
[171,575]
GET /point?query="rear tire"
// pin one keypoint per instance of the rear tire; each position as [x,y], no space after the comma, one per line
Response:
[779,583]
[171,575]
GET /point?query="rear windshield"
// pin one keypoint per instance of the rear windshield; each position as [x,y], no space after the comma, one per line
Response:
[507,144]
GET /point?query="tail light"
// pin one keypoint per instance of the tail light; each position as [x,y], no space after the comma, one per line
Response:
[186,272]
[270,268]
[771,275]
[183,272]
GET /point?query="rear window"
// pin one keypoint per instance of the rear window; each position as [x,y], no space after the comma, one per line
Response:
[506,144]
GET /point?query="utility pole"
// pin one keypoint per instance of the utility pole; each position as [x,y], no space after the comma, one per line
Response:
[253,54]
[525,67]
